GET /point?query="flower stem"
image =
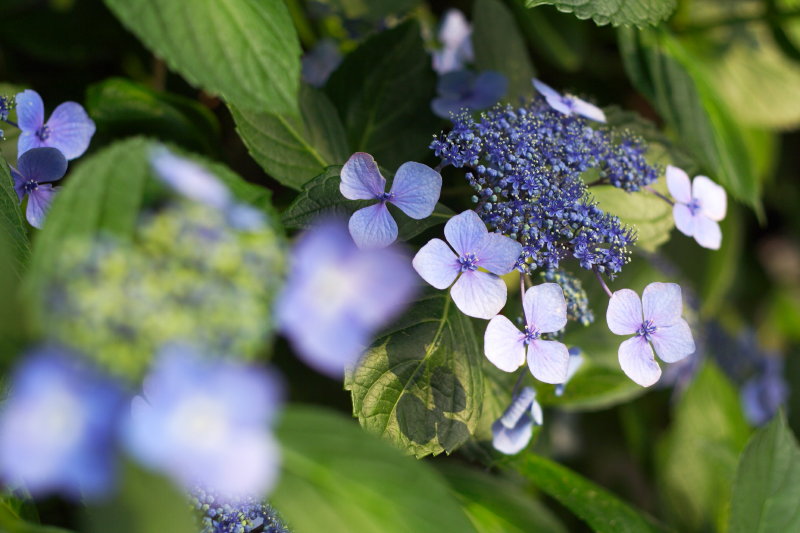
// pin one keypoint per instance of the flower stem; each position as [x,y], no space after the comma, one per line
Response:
[518,383]
[603,283]
[11,123]
[653,191]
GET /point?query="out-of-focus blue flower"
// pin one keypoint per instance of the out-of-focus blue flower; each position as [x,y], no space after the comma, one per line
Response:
[320,62]
[243,516]
[545,312]
[656,319]
[35,170]
[764,393]
[463,90]
[69,128]
[415,190]
[58,427]
[699,206]
[476,293]
[513,431]
[206,423]
[568,104]
[337,296]
[455,34]
[575,363]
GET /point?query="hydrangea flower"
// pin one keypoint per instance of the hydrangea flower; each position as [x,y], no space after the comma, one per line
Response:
[35,170]
[464,90]
[512,432]
[206,423]
[655,319]
[699,206]
[320,62]
[69,128]
[455,34]
[337,296]
[476,293]
[545,312]
[247,515]
[575,363]
[577,299]
[415,190]
[57,427]
[764,394]
[568,104]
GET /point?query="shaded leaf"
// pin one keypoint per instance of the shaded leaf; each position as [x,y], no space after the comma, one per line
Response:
[12,222]
[615,12]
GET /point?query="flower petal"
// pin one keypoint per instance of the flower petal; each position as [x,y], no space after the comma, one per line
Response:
[673,343]
[503,344]
[30,110]
[662,303]
[514,440]
[545,90]
[38,204]
[455,84]
[416,189]
[637,361]
[42,165]
[498,254]
[190,179]
[707,233]
[548,361]
[71,129]
[545,307]
[445,106]
[479,294]
[373,227]
[679,185]
[437,264]
[19,183]
[713,200]
[361,179]
[585,109]
[684,219]
[575,363]
[28,141]
[487,89]
[624,314]
[465,232]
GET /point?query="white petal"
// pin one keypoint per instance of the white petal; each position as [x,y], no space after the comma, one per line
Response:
[466,232]
[624,314]
[679,185]
[479,294]
[662,303]
[637,361]
[503,344]
[548,361]
[713,200]
[585,109]
[437,264]
[545,307]
[512,441]
[707,233]
[684,219]
[674,342]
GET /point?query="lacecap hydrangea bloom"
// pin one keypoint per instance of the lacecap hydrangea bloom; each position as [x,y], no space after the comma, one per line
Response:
[247,515]
[699,206]
[69,128]
[512,432]
[36,169]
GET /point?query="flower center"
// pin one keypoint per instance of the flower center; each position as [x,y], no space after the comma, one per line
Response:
[43,133]
[385,196]
[468,262]
[30,186]
[646,329]
[694,206]
[531,334]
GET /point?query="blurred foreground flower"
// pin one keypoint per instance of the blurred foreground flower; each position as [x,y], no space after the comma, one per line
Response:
[455,34]
[35,170]
[319,63]
[244,516]
[463,90]
[69,128]
[513,431]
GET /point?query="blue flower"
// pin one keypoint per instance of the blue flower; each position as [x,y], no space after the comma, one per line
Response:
[568,104]
[575,363]
[455,34]
[320,62]
[206,422]
[415,190]
[463,90]
[69,128]
[57,427]
[699,206]
[763,394]
[337,296]
[513,431]
[35,170]
[245,515]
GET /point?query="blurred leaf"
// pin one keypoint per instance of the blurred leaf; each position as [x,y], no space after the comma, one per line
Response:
[383,91]
[13,225]
[290,149]
[245,50]
[558,38]
[499,46]
[122,108]
[767,486]
[10,522]
[600,509]
[420,385]
[649,215]
[374,10]
[338,479]
[616,12]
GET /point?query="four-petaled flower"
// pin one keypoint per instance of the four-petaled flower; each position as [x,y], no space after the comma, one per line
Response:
[69,128]
[699,206]
[415,190]
[545,312]
[476,293]
[568,104]
[455,35]
[35,169]
[656,319]
[465,90]
[512,432]
[575,363]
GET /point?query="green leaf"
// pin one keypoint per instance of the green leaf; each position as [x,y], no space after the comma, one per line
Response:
[383,91]
[338,479]
[321,196]
[616,12]
[600,509]
[649,215]
[12,222]
[11,523]
[244,50]
[295,149]
[420,385]
[122,108]
[374,10]
[500,46]
[767,486]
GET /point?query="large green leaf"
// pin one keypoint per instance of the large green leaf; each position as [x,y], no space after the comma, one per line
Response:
[616,12]
[12,222]
[338,479]
[420,385]
[767,486]
[245,50]
[295,149]
[649,215]
[383,91]
[11,523]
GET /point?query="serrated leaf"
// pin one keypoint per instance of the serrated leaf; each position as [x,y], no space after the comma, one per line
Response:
[420,385]
[615,12]
[12,222]
[649,215]
[246,51]
[295,149]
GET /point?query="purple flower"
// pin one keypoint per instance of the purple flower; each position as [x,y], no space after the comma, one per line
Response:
[69,129]
[545,312]
[656,319]
[320,62]
[763,394]
[337,296]
[568,104]
[415,191]
[35,169]
[465,90]
[575,363]
[476,293]
[513,431]
[57,427]
[699,206]
[455,34]
[206,422]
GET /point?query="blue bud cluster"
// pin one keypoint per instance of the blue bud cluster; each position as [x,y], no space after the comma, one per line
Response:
[577,299]
[248,516]
[7,103]
[527,166]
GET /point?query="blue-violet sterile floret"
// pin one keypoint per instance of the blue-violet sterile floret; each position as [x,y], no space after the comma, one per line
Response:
[699,206]
[69,128]
[512,432]
[35,170]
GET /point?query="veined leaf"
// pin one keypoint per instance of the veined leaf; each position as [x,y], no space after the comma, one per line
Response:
[615,12]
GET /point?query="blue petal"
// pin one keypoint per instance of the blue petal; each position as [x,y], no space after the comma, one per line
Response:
[30,111]
[320,62]
[361,179]
[373,227]
[498,254]
[38,204]
[42,165]
[71,129]
[514,440]
[447,106]
[458,83]
[28,141]
[416,189]
[488,88]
